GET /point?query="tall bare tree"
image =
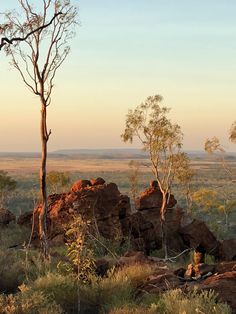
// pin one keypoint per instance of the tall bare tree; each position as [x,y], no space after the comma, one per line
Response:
[162,139]
[37,60]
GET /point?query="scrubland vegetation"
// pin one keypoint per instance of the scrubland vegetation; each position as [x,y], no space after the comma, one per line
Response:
[30,285]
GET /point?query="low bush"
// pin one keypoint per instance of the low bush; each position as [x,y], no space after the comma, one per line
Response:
[12,272]
[63,290]
[25,303]
[175,301]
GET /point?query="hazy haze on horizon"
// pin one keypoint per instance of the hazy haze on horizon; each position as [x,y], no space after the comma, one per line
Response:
[125,51]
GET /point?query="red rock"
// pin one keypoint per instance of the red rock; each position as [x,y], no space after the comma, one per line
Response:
[152,198]
[98,181]
[225,267]
[197,234]
[225,285]
[161,282]
[80,184]
[103,205]
[154,184]
[227,250]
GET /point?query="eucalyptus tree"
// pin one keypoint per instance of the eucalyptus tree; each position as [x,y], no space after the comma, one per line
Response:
[232,132]
[37,60]
[162,139]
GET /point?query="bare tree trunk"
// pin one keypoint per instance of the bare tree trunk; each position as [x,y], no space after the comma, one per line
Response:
[163,224]
[43,186]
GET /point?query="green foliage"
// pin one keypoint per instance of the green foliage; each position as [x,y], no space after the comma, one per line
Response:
[208,200]
[25,303]
[161,138]
[7,185]
[117,289]
[176,301]
[213,145]
[80,256]
[60,289]
[57,180]
[205,199]
[12,272]
[232,132]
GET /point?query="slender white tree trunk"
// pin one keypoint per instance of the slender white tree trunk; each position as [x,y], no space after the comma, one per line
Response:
[163,224]
[43,186]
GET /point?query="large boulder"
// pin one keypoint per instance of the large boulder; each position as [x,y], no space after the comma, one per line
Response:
[145,224]
[224,285]
[101,203]
[6,217]
[198,234]
[227,250]
[152,198]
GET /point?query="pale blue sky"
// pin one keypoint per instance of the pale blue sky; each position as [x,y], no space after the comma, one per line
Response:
[124,51]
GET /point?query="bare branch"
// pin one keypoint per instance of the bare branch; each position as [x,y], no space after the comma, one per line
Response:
[10,41]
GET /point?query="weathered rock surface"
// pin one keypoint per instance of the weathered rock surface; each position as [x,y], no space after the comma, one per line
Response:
[225,285]
[96,201]
[6,216]
[198,234]
[152,198]
[227,250]
[225,267]
[161,280]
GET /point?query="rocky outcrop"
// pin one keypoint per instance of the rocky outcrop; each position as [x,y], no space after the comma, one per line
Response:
[94,200]
[6,217]
[110,215]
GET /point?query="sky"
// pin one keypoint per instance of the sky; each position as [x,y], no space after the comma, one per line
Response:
[123,52]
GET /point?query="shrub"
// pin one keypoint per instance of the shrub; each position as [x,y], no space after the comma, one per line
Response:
[11,271]
[175,301]
[14,235]
[63,290]
[118,289]
[22,303]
